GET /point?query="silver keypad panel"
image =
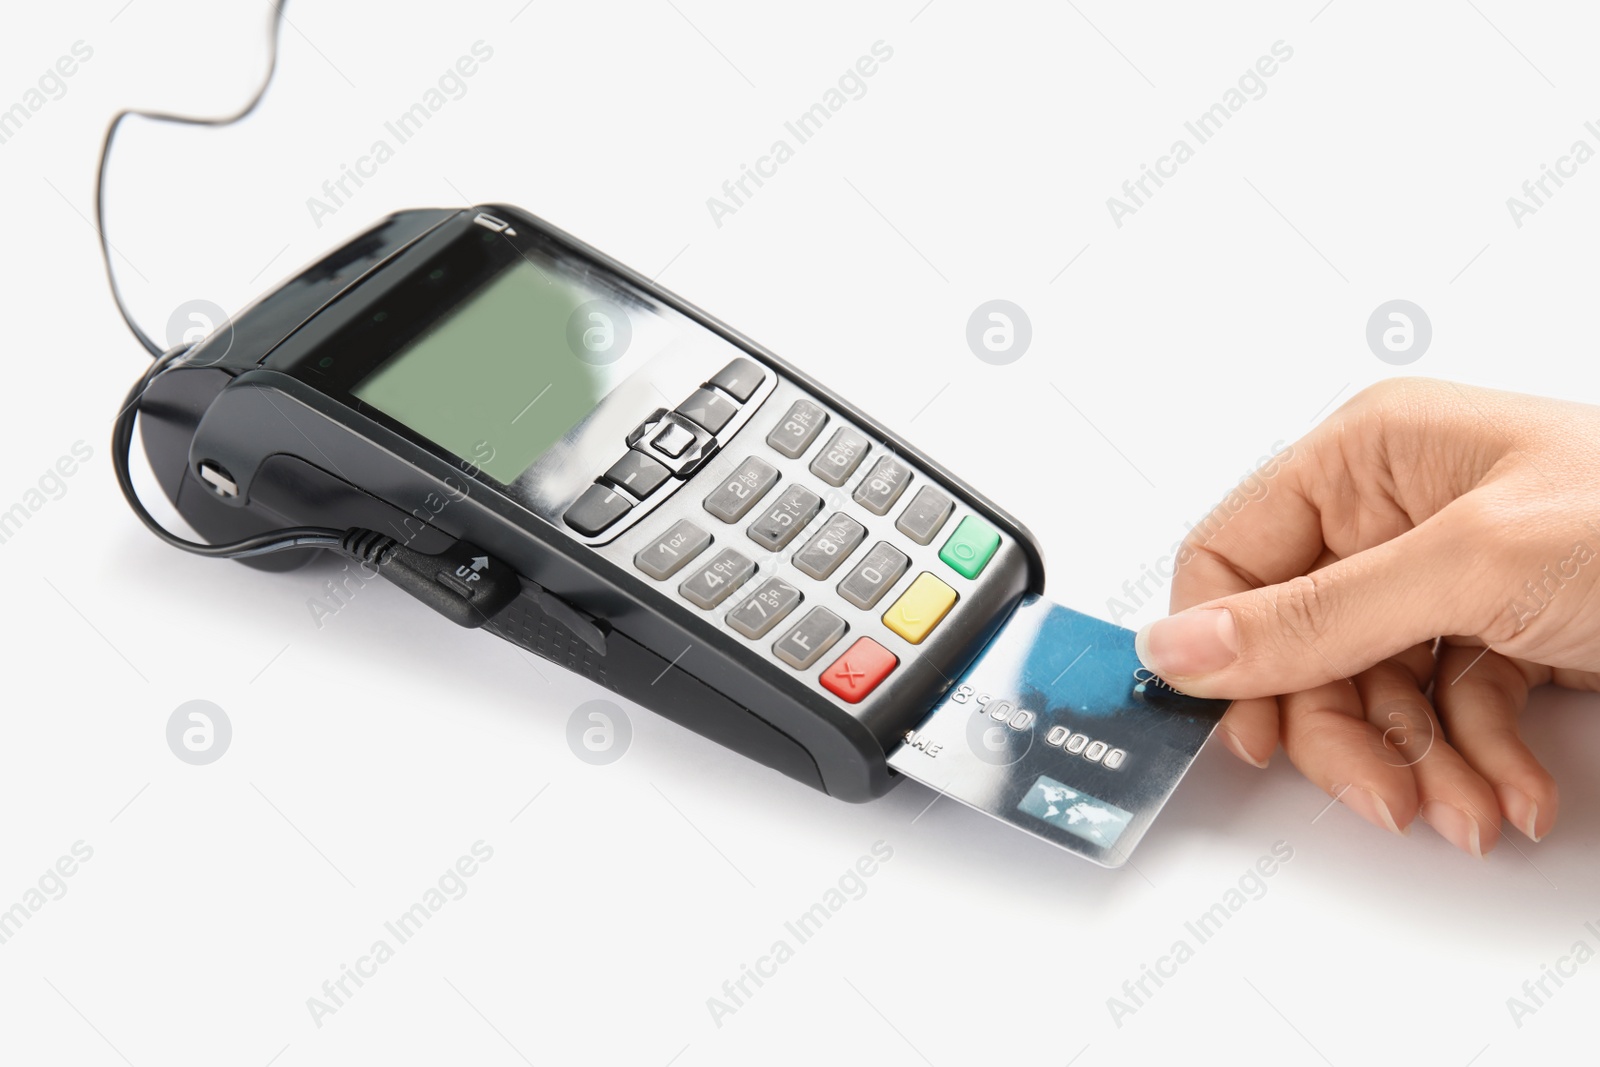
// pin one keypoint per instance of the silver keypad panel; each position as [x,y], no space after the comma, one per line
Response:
[801,535]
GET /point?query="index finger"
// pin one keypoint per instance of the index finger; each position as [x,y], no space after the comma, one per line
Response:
[1266,530]
[1385,461]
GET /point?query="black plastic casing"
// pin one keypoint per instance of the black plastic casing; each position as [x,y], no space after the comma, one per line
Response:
[301,457]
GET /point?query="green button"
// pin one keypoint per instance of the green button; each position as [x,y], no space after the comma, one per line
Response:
[970,548]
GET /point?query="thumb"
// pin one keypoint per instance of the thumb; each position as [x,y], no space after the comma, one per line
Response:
[1321,627]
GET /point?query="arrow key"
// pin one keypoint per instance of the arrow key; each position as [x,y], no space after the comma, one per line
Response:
[598,508]
[637,473]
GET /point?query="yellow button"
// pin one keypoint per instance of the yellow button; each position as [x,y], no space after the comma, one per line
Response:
[920,608]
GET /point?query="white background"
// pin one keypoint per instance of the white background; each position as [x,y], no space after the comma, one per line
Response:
[1172,353]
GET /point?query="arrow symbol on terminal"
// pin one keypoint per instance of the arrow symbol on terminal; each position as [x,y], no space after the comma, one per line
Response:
[479,562]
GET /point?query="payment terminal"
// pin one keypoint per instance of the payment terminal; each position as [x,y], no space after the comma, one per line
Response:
[541,443]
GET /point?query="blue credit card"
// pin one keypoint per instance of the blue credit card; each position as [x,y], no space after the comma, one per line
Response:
[1059,730]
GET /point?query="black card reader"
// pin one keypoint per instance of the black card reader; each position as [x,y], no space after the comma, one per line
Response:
[537,441]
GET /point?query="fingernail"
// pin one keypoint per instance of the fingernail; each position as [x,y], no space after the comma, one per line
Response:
[1454,825]
[1370,806]
[1520,810]
[1236,746]
[1189,643]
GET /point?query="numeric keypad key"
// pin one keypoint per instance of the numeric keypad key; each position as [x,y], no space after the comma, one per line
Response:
[787,516]
[712,581]
[765,608]
[667,554]
[740,490]
[841,456]
[878,570]
[822,555]
[798,429]
[883,485]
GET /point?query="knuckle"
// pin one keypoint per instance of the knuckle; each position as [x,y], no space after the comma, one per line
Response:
[1503,603]
[1475,519]
[1303,604]
[1487,688]
[1405,733]
[1318,733]
[1196,547]
[1498,629]
[1396,394]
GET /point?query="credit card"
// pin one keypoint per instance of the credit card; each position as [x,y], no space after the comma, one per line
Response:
[1060,731]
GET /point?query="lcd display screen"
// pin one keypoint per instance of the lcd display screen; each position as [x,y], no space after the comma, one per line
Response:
[508,371]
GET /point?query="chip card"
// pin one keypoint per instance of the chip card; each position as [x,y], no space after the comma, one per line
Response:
[1059,730]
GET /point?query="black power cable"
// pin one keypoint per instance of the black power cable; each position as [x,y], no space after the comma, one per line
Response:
[122,430]
[185,120]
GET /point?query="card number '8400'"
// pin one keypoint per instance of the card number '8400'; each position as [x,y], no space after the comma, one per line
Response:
[1095,751]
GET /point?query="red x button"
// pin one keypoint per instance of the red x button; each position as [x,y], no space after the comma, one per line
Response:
[858,672]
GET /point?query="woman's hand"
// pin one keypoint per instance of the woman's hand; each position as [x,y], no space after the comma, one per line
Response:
[1418,510]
